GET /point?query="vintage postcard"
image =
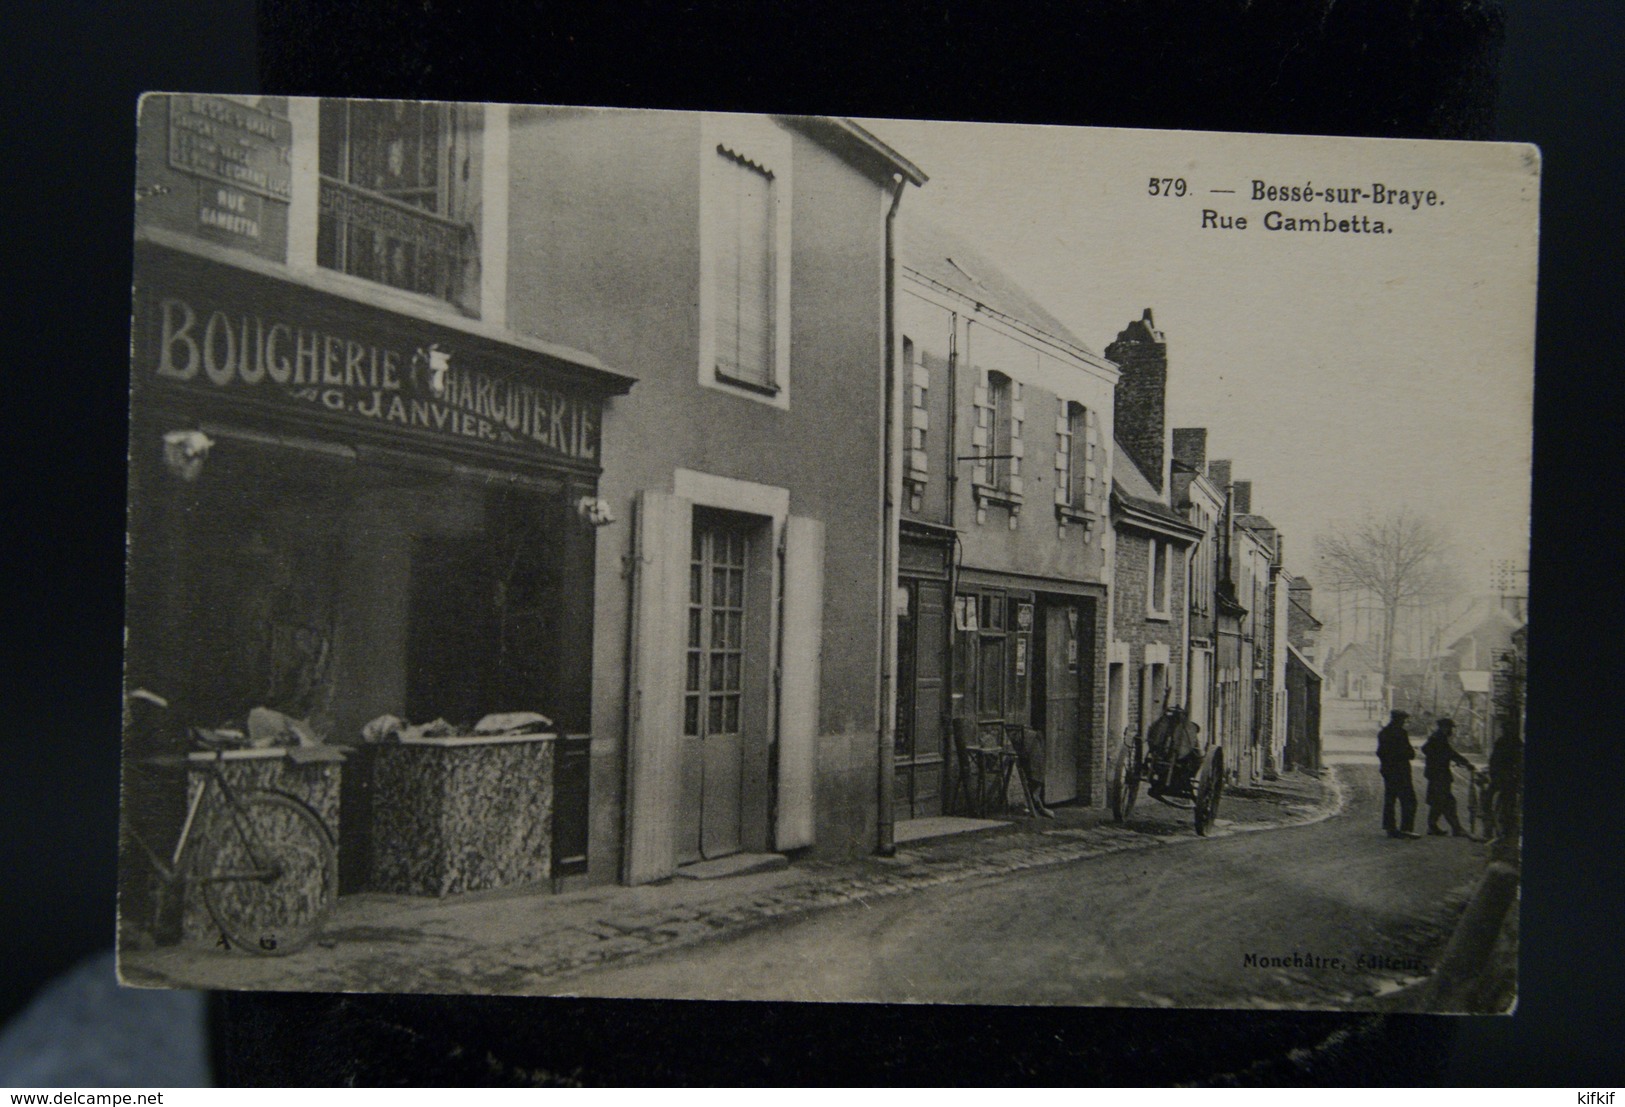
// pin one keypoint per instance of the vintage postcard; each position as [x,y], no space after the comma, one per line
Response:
[632,553]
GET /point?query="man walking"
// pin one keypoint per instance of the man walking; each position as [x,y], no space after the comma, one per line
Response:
[1395,754]
[1438,755]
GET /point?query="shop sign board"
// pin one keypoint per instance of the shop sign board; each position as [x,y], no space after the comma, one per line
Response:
[292,352]
[230,143]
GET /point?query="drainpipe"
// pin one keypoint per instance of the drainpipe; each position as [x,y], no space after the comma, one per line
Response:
[953,414]
[891,437]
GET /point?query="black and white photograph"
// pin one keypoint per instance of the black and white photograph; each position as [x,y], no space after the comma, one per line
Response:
[676,555]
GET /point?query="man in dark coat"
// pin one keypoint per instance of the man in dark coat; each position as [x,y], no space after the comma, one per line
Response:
[1395,754]
[1438,755]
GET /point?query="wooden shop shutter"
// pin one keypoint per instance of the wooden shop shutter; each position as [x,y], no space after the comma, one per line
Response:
[654,690]
[801,660]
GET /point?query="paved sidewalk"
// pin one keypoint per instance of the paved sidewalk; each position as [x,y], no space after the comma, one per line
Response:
[526,941]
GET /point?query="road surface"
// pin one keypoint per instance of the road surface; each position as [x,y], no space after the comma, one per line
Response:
[1328,915]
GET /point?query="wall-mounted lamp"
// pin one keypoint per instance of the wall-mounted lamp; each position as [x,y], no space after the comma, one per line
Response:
[185,451]
[594,512]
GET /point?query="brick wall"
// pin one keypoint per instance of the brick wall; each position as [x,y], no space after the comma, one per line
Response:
[1132,627]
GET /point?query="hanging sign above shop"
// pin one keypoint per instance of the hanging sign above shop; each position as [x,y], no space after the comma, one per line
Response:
[291,352]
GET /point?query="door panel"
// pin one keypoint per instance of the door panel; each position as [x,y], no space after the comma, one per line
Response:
[721,794]
[1063,664]
[691,758]
[922,645]
[655,766]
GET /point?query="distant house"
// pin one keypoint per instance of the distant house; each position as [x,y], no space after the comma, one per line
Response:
[1303,681]
[1151,542]
[1203,502]
[1353,673]
[1475,644]
[1427,687]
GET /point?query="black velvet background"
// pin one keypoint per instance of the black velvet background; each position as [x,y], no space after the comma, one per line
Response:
[1518,70]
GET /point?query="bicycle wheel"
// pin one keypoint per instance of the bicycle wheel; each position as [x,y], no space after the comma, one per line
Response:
[273,875]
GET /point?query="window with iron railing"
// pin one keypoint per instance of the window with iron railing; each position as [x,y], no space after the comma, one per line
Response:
[398,183]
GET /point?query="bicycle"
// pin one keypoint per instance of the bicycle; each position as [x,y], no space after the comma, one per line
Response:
[264,860]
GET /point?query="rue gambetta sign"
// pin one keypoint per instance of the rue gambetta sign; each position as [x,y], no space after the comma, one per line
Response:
[297,354]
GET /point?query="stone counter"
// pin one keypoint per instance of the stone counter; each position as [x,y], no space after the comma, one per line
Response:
[462,814]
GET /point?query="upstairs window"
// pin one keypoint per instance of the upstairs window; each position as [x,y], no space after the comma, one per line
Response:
[744,274]
[1157,579]
[745,248]
[1000,411]
[1201,566]
[398,185]
[1081,461]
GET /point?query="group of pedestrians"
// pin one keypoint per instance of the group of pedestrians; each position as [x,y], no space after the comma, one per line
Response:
[1395,754]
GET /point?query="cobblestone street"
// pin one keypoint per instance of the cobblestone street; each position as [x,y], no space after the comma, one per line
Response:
[523,941]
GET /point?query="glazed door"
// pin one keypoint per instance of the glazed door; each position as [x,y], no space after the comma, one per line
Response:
[1063,668]
[710,805]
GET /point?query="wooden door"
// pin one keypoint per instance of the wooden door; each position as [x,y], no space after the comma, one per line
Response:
[921,667]
[1063,665]
[710,805]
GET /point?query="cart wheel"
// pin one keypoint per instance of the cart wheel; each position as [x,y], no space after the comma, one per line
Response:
[1209,786]
[1125,782]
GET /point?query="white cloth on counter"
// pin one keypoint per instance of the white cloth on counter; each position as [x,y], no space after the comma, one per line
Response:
[514,722]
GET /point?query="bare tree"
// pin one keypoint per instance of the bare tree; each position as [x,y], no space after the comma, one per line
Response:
[1397,559]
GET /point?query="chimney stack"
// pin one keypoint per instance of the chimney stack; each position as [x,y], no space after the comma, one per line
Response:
[1218,472]
[1303,594]
[1190,447]
[1140,423]
[1243,492]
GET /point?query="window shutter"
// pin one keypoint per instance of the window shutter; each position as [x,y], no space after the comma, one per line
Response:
[744,270]
[654,690]
[981,436]
[800,662]
[1018,418]
[919,411]
[1095,494]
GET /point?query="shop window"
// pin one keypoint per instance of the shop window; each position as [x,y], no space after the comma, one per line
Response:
[745,210]
[338,592]
[990,675]
[398,186]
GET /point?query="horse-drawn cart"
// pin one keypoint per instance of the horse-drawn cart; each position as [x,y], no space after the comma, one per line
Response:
[1191,780]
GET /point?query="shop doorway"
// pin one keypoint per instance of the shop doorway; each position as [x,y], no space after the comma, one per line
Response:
[921,662]
[1116,706]
[1062,692]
